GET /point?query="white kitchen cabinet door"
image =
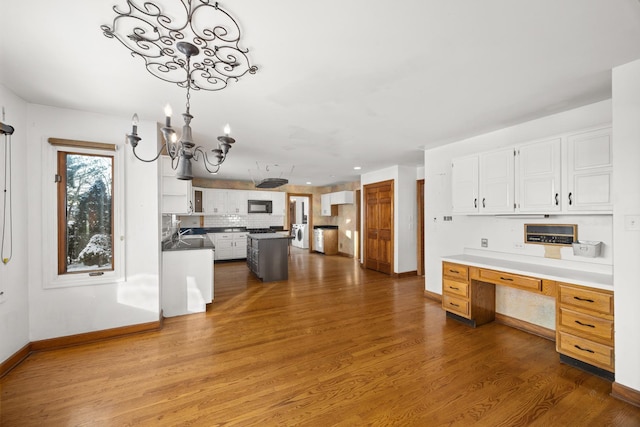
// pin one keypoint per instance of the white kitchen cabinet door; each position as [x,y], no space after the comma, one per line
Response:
[325,204]
[539,177]
[239,250]
[342,198]
[177,194]
[278,198]
[215,202]
[589,171]
[497,182]
[237,201]
[464,185]
[223,248]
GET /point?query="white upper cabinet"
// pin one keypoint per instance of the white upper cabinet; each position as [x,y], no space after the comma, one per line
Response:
[177,195]
[464,185]
[342,198]
[496,188]
[567,174]
[589,171]
[325,204]
[225,202]
[539,177]
[215,202]
[237,202]
[278,202]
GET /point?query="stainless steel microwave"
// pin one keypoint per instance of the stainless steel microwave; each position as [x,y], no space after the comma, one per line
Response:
[260,206]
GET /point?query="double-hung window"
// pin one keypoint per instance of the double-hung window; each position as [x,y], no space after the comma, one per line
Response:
[88,213]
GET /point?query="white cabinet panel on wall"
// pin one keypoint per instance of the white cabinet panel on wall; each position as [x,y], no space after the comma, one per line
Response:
[589,171]
[177,194]
[325,204]
[278,207]
[342,198]
[237,201]
[464,185]
[215,202]
[496,188]
[539,176]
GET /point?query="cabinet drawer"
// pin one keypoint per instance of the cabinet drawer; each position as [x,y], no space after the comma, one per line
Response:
[509,279]
[592,300]
[455,271]
[456,305]
[455,288]
[586,324]
[588,351]
[224,236]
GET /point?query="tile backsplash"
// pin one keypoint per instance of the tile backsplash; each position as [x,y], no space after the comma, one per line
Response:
[231,220]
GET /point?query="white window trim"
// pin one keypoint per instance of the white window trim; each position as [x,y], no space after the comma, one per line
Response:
[50,225]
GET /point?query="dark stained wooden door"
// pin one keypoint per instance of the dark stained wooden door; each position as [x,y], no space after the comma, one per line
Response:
[379,226]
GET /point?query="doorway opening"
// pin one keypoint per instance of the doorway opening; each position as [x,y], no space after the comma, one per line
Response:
[300,219]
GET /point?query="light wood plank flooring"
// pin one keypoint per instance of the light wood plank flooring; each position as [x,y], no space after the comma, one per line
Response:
[335,345]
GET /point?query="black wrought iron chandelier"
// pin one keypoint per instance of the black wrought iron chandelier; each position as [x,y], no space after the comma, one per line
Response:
[193,43]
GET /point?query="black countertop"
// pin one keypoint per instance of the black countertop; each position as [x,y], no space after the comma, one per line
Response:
[266,236]
[188,244]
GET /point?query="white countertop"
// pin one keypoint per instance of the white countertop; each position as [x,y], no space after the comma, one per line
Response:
[577,277]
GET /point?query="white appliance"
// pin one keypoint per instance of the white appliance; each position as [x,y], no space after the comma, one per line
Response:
[300,236]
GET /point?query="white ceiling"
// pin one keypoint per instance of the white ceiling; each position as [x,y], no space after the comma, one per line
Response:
[341,83]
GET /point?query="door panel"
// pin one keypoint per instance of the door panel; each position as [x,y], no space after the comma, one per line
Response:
[379,227]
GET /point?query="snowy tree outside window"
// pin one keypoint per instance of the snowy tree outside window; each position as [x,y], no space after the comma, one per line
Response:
[85,212]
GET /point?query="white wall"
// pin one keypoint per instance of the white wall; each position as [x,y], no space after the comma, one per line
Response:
[626,196]
[463,234]
[56,312]
[404,215]
[14,311]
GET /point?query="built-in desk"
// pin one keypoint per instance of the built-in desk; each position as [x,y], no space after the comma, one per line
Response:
[584,303]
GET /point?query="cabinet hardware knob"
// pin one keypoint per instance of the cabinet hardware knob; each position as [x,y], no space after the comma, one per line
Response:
[454,288]
[454,271]
[455,305]
[557,201]
[483,204]
[583,349]
[475,203]
[584,324]
[570,198]
[508,279]
[583,299]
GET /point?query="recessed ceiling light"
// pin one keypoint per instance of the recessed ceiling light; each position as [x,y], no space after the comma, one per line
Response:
[308,182]
[357,168]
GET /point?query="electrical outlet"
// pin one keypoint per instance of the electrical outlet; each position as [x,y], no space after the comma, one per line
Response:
[518,245]
[484,242]
[447,218]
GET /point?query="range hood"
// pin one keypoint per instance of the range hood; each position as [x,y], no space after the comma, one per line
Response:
[272,182]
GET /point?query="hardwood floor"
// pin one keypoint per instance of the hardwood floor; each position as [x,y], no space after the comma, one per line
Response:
[336,345]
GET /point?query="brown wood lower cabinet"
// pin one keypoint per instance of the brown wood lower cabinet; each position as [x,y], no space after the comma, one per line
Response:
[584,315]
[584,325]
[472,300]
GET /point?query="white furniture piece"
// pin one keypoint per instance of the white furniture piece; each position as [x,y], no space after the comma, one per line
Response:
[325,204]
[589,170]
[187,281]
[539,166]
[229,245]
[177,195]
[565,174]
[329,202]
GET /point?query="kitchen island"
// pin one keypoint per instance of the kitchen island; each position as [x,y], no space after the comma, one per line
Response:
[268,256]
